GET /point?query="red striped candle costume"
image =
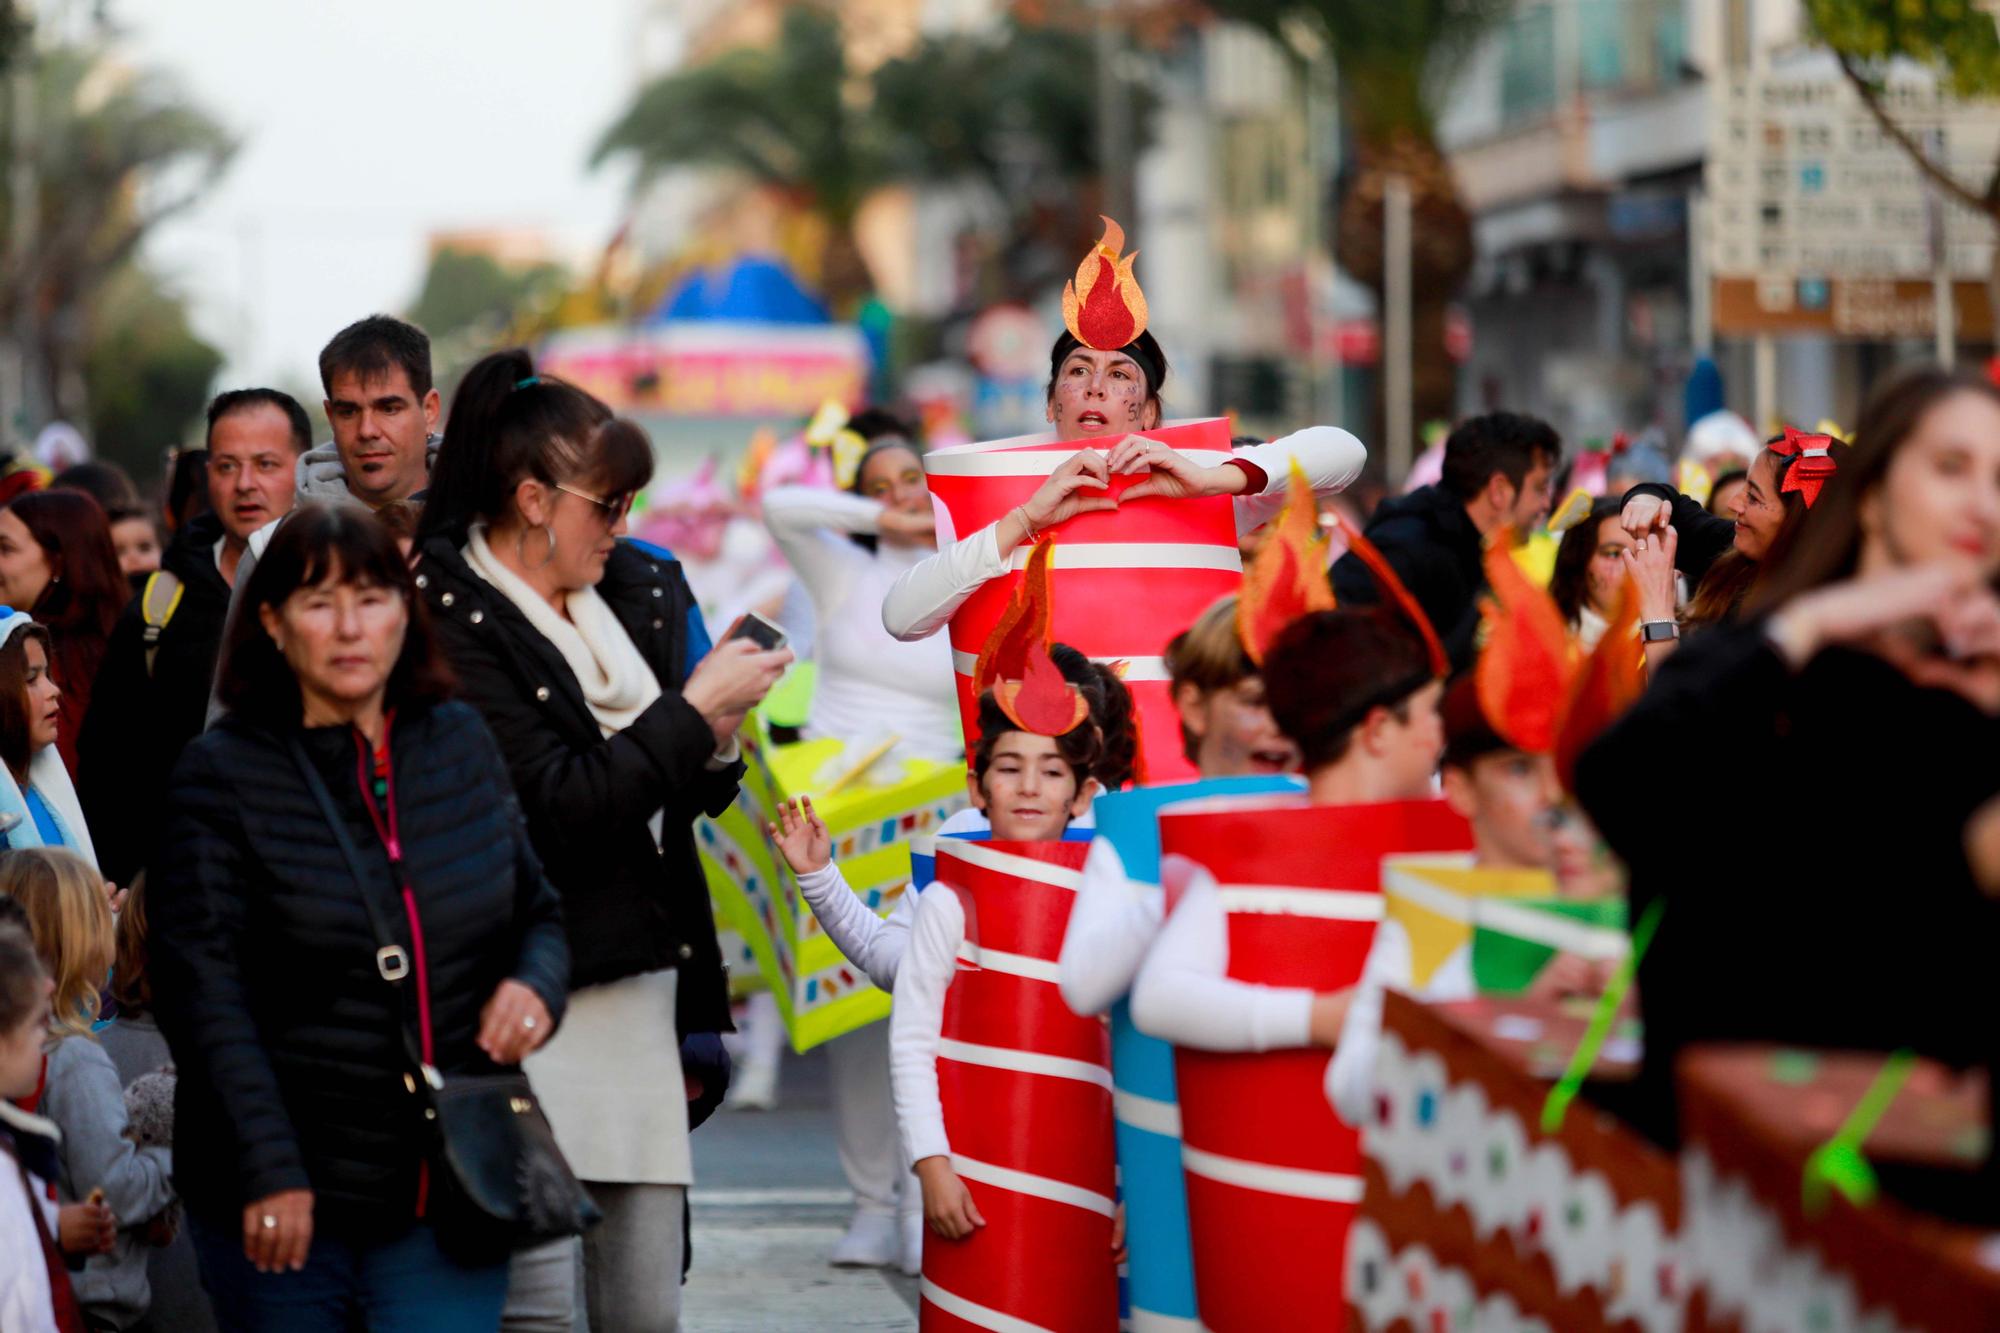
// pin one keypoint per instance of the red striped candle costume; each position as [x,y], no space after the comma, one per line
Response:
[1273,1177]
[1126,580]
[1025,1089]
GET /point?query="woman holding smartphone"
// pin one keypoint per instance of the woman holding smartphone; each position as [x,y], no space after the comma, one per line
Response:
[573,646]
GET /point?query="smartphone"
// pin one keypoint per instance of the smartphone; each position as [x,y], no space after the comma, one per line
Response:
[764,633]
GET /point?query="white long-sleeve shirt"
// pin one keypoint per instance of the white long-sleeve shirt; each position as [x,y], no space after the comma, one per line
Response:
[872,943]
[1184,993]
[869,683]
[925,597]
[1111,928]
[1350,1075]
[916,1022]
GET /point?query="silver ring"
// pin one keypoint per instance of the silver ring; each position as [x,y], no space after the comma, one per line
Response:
[268,1222]
[1641,544]
[528,1022]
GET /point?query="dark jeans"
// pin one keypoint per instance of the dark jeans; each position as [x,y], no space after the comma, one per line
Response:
[401,1286]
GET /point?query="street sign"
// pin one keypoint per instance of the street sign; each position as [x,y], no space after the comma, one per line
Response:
[1820,221]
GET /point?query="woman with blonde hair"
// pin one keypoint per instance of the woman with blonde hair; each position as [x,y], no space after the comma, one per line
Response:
[81,1093]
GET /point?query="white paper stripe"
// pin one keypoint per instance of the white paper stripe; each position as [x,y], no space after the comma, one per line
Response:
[973,1313]
[1326,1186]
[1321,904]
[1137,669]
[1041,1187]
[1030,462]
[1136,555]
[1449,905]
[1013,964]
[1024,1062]
[1006,863]
[1151,1321]
[1147,1113]
[1556,932]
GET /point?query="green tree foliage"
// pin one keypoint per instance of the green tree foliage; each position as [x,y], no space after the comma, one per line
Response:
[115,151]
[147,373]
[468,292]
[1010,111]
[1956,40]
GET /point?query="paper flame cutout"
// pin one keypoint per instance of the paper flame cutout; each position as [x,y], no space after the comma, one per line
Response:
[1393,590]
[1288,578]
[1103,307]
[1015,663]
[1537,692]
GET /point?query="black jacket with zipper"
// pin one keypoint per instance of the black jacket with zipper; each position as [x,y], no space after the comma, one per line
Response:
[632,905]
[1431,543]
[139,721]
[290,1044]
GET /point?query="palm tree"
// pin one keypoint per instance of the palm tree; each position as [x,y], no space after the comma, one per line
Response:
[115,153]
[790,116]
[1010,112]
[1391,60]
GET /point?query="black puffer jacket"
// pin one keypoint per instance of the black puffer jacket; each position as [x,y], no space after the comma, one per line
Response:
[632,905]
[288,1041]
[138,721]
[1435,550]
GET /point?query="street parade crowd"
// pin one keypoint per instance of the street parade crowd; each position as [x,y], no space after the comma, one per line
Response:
[394,824]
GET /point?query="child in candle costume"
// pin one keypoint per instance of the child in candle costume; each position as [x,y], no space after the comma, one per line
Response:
[1228,734]
[1154,565]
[1258,960]
[1513,727]
[1003,1094]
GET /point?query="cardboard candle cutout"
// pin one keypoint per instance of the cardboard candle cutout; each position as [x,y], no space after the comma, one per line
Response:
[1273,1176]
[1128,579]
[1026,1090]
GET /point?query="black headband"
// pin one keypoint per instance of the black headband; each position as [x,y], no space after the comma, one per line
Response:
[1147,360]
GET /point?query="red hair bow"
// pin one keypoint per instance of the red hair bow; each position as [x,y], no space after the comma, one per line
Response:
[1812,462]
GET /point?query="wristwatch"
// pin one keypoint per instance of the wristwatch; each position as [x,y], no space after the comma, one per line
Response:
[1656,631]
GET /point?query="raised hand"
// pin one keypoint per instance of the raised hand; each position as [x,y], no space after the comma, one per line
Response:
[1649,562]
[802,837]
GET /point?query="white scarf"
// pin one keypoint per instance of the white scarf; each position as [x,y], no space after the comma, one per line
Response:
[617,683]
[1590,627]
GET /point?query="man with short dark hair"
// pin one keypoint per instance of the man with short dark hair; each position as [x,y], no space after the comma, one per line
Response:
[1497,470]
[154,685]
[384,411]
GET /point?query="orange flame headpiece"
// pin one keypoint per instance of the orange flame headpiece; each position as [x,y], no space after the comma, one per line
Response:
[1015,663]
[1538,693]
[1104,308]
[1288,578]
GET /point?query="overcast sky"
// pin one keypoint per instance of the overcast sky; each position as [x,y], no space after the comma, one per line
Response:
[366,125]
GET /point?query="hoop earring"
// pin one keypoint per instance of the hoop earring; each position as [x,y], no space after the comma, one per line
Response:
[521,546]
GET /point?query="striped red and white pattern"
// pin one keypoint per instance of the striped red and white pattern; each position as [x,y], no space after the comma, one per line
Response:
[1273,1176]
[1026,1087]
[1125,581]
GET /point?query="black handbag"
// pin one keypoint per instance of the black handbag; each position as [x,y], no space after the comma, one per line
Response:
[500,1183]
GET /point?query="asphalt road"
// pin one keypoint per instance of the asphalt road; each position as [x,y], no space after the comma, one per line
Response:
[769,1202]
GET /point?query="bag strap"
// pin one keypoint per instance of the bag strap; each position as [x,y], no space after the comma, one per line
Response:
[392,961]
[157,604]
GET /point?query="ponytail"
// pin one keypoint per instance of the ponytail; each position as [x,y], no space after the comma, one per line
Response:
[509,423]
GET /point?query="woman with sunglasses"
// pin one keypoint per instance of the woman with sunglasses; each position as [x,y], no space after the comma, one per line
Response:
[574,646]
